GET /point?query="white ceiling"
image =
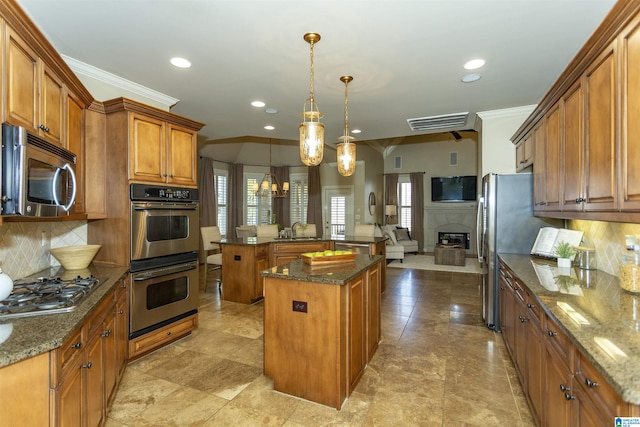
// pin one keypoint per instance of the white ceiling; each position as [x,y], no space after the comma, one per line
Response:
[406,56]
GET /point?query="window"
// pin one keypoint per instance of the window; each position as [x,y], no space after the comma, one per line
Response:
[404,201]
[258,209]
[299,197]
[221,183]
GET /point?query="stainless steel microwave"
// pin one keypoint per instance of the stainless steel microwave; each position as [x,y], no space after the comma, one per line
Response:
[37,177]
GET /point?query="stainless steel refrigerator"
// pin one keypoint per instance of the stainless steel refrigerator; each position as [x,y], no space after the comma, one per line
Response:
[505,225]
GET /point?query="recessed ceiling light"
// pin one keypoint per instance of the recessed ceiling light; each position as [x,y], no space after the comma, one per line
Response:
[271,111]
[470,78]
[180,62]
[474,64]
[258,104]
[269,127]
[356,131]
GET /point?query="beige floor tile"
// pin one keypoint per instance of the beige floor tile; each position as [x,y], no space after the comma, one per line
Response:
[436,365]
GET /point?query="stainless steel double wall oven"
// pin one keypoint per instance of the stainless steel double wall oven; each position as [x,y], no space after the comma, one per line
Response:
[164,256]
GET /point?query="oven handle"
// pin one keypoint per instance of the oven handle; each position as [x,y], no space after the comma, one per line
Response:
[164,271]
[164,207]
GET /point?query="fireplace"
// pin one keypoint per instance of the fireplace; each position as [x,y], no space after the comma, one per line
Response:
[451,237]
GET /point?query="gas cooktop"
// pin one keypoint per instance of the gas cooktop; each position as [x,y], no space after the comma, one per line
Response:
[46,295]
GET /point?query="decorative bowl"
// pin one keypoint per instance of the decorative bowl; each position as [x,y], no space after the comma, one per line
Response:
[75,257]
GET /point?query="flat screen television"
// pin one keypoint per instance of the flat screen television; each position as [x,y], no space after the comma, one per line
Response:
[453,188]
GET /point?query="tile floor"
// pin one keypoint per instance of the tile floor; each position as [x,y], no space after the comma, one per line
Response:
[437,365]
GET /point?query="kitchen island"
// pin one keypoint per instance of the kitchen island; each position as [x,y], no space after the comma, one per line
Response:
[244,258]
[321,326]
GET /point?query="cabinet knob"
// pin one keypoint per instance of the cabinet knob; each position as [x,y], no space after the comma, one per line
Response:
[77,345]
[523,319]
[87,365]
[564,387]
[580,200]
[168,333]
[106,333]
[530,305]
[590,383]
[569,396]
[120,311]
[551,333]
[43,128]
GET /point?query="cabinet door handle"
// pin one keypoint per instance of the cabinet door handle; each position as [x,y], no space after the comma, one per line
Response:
[530,305]
[551,333]
[523,319]
[569,396]
[580,200]
[77,345]
[590,383]
[87,365]
[564,387]
[106,333]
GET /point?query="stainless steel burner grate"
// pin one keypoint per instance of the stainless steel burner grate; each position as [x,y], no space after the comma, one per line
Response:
[46,295]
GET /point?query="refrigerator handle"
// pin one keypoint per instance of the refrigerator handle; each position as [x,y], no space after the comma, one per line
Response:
[480,229]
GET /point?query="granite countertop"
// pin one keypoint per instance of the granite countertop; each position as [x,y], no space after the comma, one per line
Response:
[24,337]
[336,274]
[266,240]
[611,314]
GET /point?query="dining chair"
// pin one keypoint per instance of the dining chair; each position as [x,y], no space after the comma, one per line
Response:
[267,230]
[210,242]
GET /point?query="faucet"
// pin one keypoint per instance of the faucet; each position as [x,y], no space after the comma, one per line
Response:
[293,228]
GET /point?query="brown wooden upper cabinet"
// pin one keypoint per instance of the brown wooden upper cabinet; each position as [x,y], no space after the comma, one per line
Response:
[160,152]
[585,161]
[524,153]
[629,185]
[600,132]
[34,94]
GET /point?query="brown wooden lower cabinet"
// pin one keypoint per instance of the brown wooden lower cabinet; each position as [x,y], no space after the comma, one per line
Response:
[162,336]
[74,384]
[562,386]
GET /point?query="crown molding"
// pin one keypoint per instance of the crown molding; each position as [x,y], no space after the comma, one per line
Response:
[506,112]
[87,70]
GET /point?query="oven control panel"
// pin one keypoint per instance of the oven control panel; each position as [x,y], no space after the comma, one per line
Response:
[160,193]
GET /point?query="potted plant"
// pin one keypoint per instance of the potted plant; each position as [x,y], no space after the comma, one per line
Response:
[564,251]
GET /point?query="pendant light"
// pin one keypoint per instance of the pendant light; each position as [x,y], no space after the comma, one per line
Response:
[346,149]
[311,130]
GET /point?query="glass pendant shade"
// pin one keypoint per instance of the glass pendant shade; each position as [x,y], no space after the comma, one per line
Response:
[311,143]
[346,158]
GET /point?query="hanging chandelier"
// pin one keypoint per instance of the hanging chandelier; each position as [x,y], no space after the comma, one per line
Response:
[346,149]
[311,130]
[269,186]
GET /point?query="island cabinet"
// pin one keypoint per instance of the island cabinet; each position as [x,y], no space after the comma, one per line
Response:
[284,252]
[241,266]
[321,327]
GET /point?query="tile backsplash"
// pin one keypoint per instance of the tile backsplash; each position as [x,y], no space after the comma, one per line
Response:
[608,239]
[24,246]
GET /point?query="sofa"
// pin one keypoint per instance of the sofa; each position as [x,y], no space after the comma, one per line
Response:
[399,241]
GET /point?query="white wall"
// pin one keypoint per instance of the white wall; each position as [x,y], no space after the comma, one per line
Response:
[497,153]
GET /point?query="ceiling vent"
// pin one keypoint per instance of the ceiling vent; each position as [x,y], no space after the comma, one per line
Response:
[444,121]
